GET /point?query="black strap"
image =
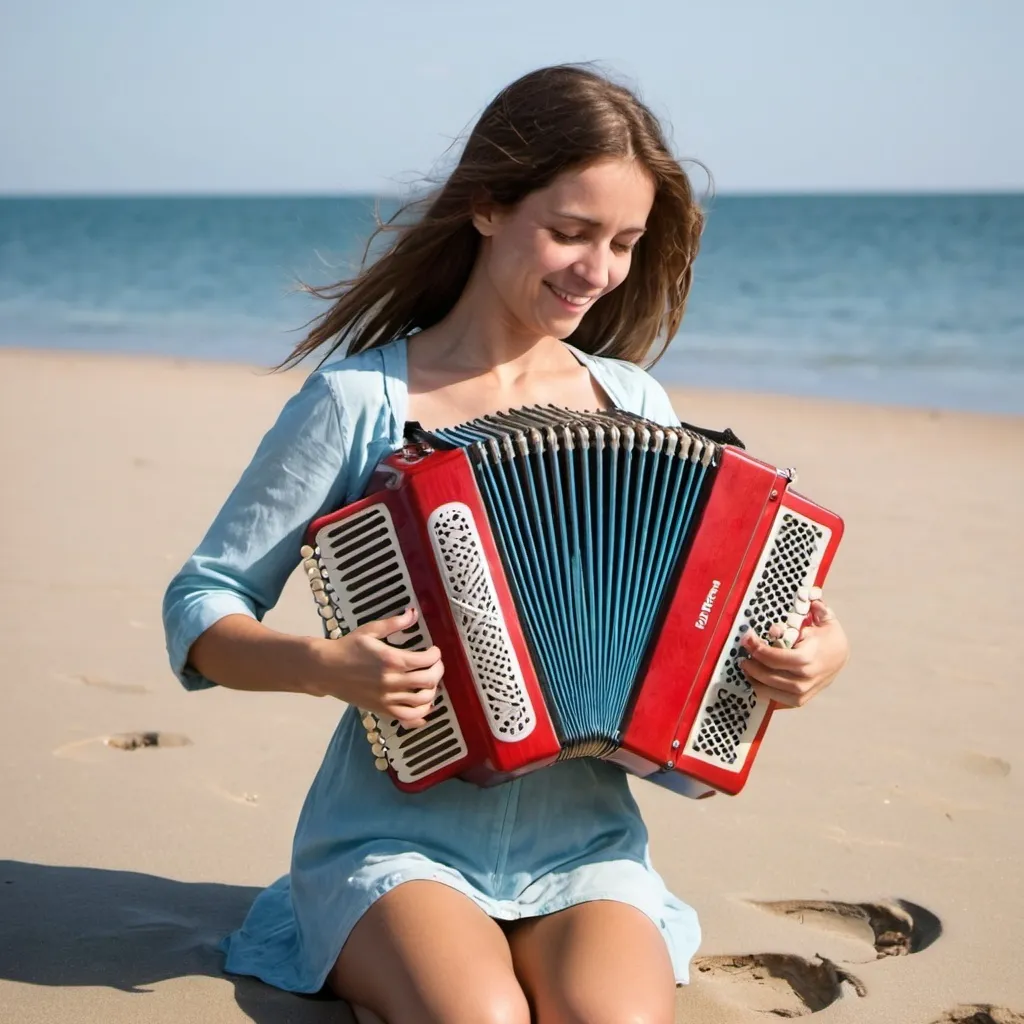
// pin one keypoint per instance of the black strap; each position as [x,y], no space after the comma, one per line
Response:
[413,433]
[718,436]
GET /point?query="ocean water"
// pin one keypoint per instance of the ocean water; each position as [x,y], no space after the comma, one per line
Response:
[915,300]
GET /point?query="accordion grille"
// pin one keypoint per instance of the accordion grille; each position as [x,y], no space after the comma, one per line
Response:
[367,579]
[474,604]
[731,713]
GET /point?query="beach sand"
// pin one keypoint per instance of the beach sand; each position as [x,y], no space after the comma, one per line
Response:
[120,868]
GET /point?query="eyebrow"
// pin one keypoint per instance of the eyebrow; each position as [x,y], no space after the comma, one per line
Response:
[596,223]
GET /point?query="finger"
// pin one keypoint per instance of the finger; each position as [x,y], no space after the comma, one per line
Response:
[785,659]
[780,698]
[413,661]
[414,717]
[412,698]
[424,678]
[381,628]
[396,677]
[821,613]
[764,676]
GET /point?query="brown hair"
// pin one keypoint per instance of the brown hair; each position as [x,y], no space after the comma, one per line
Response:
[547,122]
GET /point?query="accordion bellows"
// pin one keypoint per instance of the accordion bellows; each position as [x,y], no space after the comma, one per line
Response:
[588,578]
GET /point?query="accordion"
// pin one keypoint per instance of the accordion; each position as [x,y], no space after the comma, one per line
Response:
[588,578]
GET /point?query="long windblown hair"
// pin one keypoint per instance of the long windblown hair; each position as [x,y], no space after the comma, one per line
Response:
[549,121]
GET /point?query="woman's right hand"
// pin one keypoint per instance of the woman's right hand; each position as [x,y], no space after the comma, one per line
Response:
[363,670]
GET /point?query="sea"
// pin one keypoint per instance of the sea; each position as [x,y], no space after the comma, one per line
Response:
[913,300]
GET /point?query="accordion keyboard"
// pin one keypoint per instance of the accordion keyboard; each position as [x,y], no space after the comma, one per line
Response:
[365,579]
[731,714]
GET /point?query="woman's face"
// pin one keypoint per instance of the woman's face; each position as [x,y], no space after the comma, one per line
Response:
[554,254]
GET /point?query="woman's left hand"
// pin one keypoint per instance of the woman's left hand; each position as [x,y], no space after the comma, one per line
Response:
[792,676]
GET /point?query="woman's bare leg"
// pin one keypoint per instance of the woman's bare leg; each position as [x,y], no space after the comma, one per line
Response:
[426,954]
[595,963]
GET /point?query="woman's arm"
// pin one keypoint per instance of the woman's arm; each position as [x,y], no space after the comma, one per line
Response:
[242,654]
[213,607]
[239,653]
[240,567]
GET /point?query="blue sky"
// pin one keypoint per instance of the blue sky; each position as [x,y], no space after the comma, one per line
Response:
[317,96]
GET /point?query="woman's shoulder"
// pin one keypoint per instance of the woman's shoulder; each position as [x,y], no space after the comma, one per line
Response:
[632,388]
[363,385]
[356,378]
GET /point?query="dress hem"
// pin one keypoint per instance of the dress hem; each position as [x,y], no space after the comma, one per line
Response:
[680,965]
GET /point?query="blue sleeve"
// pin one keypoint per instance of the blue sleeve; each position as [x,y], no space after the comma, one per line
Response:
[642,394]
[656,405]
[242,563]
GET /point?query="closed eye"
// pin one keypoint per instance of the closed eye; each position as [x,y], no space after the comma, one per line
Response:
[564,239]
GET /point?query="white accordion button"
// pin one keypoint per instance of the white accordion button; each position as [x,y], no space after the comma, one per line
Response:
[326,611]
[815,593]
[335,634]
[306,551]
[381,764]
[803,594]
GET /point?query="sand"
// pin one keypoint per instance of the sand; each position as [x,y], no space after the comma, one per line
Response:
[120,866]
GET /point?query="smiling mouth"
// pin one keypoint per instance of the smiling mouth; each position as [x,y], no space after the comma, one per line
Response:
[576,301]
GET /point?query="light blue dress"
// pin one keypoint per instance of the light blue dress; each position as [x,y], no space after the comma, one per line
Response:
[564,835]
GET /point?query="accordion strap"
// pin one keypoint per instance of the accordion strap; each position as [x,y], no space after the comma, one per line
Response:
[415,434]
[718,436]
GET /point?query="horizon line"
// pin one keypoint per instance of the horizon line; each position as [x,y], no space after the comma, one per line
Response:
[787,193]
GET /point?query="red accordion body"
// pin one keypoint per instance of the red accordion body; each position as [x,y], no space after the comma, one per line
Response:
[693,724]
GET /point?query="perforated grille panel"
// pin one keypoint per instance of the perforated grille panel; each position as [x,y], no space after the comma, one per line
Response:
[363,566]
[731,713]
[474,604]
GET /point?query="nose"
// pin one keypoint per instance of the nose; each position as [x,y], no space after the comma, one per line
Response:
[593,268]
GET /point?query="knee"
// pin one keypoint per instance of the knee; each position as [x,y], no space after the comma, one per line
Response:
[582,1009]
[504,1005]
[611,1015]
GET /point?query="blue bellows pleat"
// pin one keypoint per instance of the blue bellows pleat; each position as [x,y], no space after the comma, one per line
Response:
[591,513]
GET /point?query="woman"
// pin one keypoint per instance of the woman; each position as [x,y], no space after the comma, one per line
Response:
[535,900]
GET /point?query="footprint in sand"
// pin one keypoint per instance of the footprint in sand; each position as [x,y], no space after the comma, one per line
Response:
[248,799]
[777,983]
[892,927]
[102,684]
[985,764]
[90,749]
[981,1013]
[138,740]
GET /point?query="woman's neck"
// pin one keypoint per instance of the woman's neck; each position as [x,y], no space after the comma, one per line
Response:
[479,336]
